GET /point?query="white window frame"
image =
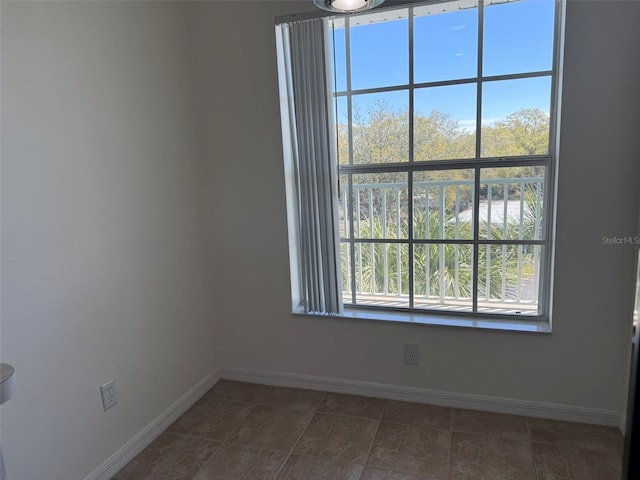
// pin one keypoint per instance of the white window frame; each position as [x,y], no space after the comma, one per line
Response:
[540,322]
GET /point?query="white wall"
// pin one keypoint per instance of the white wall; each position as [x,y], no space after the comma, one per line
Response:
[104,270]
[583,363]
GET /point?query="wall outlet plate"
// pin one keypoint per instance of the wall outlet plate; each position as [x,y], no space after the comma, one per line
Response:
[109,396]
[411,354]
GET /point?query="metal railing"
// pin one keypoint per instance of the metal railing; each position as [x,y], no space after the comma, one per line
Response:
[442,237]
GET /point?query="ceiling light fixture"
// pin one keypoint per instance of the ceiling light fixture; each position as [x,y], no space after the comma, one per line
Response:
[347,6]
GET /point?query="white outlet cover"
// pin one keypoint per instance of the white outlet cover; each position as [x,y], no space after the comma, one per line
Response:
[109,396]
[411,354]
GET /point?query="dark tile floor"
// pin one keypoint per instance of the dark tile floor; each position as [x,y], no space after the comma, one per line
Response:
[242,431]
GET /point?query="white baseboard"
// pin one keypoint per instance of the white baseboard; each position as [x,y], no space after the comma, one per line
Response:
[149,433]
[551,411]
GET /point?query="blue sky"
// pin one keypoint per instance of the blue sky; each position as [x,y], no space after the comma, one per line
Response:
[517,38]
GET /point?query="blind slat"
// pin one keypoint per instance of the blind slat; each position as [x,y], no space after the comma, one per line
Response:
[312,186]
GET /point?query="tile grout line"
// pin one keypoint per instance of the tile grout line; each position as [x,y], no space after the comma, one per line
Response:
[226,438]
[395,422]
[373,440]
[533,454]
[253,406]
[304,430]
[221,442]
[362,417]
[260,402]
[450,446]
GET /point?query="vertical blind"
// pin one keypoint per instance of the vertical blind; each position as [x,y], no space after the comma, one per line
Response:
[310,169]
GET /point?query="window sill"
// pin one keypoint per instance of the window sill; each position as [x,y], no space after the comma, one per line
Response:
[482,323]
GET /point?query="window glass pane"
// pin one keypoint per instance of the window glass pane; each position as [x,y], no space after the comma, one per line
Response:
[371,52]
[342,129]
[343,206]
[337,44]
[509,278]
[445,122]
[382,274]
[515,117]
[381,127]
[445,39]
[443,277]
[443,204]
[380,205]
[518,37]
[512,203]
[345,267]
[379,49]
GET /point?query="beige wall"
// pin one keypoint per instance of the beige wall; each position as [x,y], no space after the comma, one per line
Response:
[104,271]
[146,240]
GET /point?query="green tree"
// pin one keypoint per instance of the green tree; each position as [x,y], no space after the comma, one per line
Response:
[525,132]
[438,137]
[382,136]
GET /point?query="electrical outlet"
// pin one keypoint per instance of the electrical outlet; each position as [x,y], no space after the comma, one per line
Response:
[411,353]
[109,397]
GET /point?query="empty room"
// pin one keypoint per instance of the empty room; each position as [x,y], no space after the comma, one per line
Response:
[309,239]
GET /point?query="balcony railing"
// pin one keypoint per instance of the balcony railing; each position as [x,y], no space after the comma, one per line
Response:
[375,244]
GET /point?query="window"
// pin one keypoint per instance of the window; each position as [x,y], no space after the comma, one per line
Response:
[433,160]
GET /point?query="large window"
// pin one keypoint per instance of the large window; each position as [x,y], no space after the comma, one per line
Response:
[441,139]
